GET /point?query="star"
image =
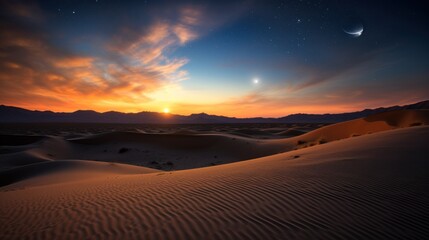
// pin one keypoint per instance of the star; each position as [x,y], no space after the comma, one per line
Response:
[73,12]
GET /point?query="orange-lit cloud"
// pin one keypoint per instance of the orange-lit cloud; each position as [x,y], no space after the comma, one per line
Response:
[184,33]
[38,75]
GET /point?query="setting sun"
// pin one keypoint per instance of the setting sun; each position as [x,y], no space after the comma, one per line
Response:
[166,110]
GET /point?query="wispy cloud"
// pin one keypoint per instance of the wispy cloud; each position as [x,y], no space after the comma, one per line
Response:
[149,52]
[36,73]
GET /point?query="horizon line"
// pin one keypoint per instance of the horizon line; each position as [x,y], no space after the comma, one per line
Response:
[176,114]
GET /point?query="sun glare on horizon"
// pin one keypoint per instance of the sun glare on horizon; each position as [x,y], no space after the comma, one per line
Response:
[166,110]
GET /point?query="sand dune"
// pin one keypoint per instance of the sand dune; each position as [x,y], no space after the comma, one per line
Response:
[184,149]
[291,133]
[372,124]
[16,140]
[331,191]
[24,158]
[357,186]
[54,172]
[162,151]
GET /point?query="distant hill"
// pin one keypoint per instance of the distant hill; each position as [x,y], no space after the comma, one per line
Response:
[340,117]
[10,114]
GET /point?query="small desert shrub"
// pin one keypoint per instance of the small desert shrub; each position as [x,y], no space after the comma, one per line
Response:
[123,150]
[323,141]
[300,142]
[416,124]
[154,162]
[296,156]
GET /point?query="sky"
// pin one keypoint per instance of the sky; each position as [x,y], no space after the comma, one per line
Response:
[233,58]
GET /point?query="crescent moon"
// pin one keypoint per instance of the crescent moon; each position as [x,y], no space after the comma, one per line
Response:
[356,33]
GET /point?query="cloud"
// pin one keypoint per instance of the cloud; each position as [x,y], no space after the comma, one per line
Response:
[336,67]
[28,11]
[37,73]
[149,52]
[184,34]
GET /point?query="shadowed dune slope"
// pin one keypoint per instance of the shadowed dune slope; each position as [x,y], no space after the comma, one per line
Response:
[16,140]
[22,158]
[368,187]
[183,151]
[54,172]
[291,132]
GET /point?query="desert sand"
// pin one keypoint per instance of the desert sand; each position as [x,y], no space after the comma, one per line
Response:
[362,179]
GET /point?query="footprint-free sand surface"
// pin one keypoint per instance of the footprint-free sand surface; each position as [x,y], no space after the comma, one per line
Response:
[361,179]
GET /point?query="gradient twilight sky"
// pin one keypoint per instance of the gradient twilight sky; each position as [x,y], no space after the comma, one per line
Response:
[203,56]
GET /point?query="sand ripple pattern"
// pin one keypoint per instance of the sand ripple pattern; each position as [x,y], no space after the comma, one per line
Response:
[268,198]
